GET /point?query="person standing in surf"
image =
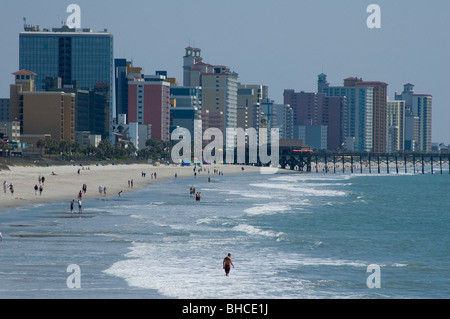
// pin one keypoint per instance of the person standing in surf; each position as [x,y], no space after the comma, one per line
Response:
[227,263]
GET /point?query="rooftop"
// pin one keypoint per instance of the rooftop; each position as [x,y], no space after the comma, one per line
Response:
[64,29]
[24,72]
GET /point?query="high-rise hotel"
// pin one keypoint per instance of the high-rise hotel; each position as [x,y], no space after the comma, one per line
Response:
[82,59]
[219,90]
[418,114]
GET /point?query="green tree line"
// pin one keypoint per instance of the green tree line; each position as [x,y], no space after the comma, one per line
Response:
[153,150]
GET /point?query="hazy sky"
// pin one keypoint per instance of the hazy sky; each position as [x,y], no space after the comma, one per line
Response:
[283,44]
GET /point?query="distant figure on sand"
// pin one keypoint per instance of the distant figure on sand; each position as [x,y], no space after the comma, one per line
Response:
[71,206]
[79,206]
[227,263]
[35,189]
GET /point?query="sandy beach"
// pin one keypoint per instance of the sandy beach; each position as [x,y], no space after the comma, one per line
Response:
[65,182]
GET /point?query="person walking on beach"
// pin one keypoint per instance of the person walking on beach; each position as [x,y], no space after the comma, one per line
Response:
[35,189]
[104,190]
[79,206]
[100,189]
[227,263]
[11,188]
[5,186]
[41,188]
[71,206]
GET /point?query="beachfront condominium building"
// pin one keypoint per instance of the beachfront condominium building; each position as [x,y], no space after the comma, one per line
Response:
[192,57]
[268,120]
[285,121]
[42,112]
[10,132]
[275,116]
[315,136]
[122,69]
[91,106]
[310,108]
[358,112]
[379,110]
[417,106]
[4,110]
[81,58]
[186,108]
[219,91]
[249,103]
[149,103]
[395,126]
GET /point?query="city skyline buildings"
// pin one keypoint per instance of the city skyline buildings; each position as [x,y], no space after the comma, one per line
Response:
[81,58]
[403,62]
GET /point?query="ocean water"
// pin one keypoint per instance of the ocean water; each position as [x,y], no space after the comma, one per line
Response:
[296,236]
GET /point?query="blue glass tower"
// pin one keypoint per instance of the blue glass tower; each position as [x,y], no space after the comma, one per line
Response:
[81,58]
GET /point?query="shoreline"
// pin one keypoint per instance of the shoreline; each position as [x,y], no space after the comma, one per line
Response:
[63,183]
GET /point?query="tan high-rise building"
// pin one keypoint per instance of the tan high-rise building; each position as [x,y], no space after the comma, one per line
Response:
[219,90]
[379,110]
[42,112]
[396,126]
[249,103]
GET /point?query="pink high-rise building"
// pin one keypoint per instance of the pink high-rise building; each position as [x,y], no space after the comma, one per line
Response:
[149,103]
[317,109]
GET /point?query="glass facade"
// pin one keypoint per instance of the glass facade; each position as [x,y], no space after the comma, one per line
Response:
[83,60]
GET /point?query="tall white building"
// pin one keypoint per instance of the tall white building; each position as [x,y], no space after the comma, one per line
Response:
[396,126]
[418,106]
